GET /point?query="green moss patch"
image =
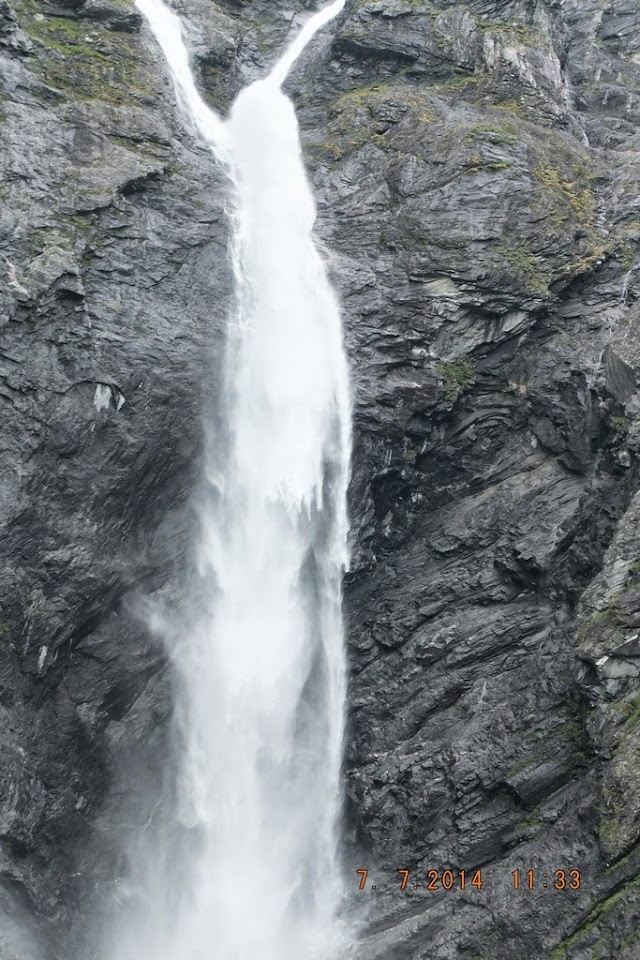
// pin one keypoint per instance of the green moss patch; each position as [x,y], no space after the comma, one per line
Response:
[613,902]
[532,271]
[456,377]
[569,199]
[477,164]
[574,190]
[364,115]
[85,61]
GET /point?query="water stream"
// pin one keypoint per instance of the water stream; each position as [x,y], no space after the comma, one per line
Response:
[263,673]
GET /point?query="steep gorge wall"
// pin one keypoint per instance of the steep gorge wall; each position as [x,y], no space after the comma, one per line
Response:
[476,168]
[488,185]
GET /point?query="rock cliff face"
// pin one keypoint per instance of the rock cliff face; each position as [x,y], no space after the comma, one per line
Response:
[477,169]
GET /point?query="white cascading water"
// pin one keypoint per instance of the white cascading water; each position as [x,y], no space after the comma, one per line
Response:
[263,674]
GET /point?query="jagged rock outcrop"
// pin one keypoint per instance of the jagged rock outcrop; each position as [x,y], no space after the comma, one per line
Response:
[114,278]
[476,166]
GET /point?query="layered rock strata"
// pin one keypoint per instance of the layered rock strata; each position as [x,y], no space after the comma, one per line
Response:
[477,173]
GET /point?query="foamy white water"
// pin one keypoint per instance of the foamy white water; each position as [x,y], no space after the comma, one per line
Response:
[262,688]
[308,32]
[167,30]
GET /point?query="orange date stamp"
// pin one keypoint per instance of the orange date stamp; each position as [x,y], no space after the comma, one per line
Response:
[559,879]
[435,880]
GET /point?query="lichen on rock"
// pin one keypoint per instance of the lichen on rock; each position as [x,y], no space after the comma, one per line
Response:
[476,169]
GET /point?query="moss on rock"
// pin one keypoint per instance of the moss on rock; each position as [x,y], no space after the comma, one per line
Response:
[457,377]
[85,60]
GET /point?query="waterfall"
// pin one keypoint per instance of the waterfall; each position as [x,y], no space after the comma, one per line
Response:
[262,674]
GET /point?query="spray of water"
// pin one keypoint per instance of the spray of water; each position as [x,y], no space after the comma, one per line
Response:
[262,674]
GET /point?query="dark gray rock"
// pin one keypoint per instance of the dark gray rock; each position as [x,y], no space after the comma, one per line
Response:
[477,173]
[112,239]
[486,253]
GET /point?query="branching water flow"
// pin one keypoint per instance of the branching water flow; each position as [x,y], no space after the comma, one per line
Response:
[262,676]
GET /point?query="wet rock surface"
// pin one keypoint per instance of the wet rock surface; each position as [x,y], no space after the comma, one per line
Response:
[477,173]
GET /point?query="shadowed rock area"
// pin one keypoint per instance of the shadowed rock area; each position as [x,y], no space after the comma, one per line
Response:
[477,171]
